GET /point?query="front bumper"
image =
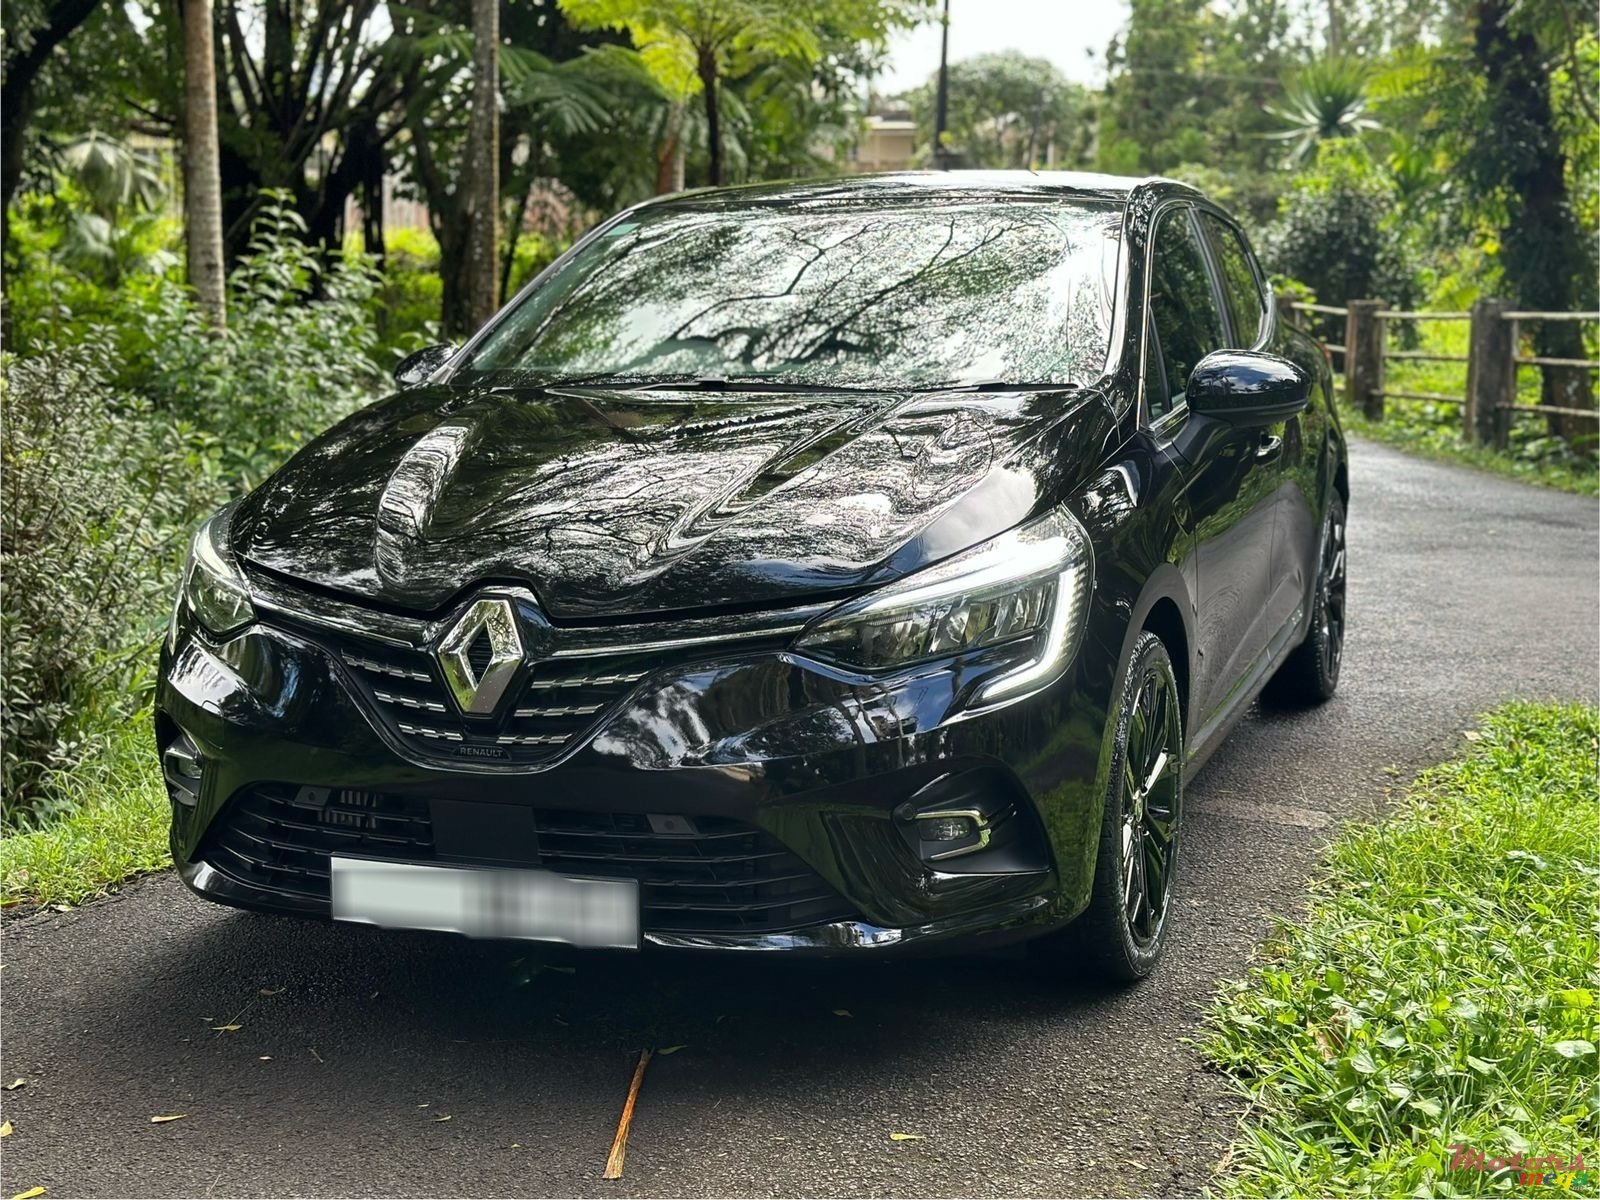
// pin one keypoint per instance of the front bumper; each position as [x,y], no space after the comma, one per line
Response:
[792,763]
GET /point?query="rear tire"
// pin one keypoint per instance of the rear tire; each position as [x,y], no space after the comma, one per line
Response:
[1119,937]
[1310,674]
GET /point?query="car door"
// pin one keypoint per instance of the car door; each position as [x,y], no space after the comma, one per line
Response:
[1226,506]
[1284,446]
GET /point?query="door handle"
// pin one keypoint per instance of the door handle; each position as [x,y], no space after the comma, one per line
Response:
[1269,448]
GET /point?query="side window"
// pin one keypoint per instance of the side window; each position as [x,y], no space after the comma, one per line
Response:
[1246,303]
[1183,308]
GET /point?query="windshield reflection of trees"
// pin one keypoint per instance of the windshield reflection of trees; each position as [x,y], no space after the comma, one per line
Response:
[895,295]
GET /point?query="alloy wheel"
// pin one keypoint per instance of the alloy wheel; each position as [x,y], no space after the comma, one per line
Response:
[1333,587]
[1150,806]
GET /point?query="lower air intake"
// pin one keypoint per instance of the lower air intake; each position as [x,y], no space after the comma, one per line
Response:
[696,874]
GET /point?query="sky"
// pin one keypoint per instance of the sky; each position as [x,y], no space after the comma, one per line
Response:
[1072,34]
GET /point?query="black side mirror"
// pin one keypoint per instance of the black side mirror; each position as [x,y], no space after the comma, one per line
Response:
[1244,388]
[415,367]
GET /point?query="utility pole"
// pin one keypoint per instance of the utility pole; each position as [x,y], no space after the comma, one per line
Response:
[940,159]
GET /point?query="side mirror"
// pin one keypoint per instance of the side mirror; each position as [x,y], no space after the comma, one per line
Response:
[1244,388]
[415,367]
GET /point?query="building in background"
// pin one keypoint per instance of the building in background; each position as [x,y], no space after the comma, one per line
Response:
[888,143]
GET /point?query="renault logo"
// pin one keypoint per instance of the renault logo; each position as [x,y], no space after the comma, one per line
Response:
[485,635]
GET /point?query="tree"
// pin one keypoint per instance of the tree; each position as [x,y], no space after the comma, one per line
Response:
[1517,167]
[483,164]
[309,102]
[698,45]
[1159,104]
[116,231]
[1188,82]
[32,33]
[546,102]
[202,184]
[1008,110]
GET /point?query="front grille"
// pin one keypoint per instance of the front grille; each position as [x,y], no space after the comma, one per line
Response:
[279,838]
[707,875]
[557,700]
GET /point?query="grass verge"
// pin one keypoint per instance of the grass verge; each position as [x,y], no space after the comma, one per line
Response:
[1442,990]
[113,826]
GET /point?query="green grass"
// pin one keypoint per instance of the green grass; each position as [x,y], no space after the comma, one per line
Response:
[113,826]
[1442,990]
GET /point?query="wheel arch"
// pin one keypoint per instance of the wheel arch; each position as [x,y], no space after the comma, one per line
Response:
[1164,609]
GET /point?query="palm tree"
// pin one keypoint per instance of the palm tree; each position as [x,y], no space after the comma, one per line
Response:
[1324,99]
[202,183]
[117,234]
[115,177]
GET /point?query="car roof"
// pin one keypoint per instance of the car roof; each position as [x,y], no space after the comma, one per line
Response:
[975,185]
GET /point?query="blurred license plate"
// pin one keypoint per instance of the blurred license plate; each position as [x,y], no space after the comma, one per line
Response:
[488,902]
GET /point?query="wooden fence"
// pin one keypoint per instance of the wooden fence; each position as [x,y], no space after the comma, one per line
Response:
[1492,361]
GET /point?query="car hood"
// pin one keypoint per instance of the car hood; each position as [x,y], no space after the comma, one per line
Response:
[613,503]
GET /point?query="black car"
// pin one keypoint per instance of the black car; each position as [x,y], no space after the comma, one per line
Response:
[845,566]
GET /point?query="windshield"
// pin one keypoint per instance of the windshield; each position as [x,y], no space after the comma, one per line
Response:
[903,294]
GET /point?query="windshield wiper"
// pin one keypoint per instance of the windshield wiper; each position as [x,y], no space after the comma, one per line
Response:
[719,383]
[776,384]
[999,385]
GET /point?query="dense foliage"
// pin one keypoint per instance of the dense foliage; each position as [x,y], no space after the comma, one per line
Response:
[122,431]
[1334,234]
[95,493]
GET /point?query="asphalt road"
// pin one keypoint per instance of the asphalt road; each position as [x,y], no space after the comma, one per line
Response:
[398,1064]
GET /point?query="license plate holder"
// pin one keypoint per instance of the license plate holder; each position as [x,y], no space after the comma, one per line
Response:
[497,902]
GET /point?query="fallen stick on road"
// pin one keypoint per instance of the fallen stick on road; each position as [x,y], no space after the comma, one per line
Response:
[619,1145]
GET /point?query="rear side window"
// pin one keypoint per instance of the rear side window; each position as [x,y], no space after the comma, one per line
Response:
[1246,304]
[1183,308]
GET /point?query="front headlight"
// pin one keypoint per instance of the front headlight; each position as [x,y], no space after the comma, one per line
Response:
[1029,586]
[212,590]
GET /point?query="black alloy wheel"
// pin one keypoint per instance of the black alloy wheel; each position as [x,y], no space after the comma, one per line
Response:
[1150,800]
[1330,601]
[1120,935]
[1310,674]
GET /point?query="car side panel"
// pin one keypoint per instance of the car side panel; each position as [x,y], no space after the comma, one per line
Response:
[1309,447]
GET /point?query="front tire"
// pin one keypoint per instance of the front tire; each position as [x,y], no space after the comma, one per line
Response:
[1120,936]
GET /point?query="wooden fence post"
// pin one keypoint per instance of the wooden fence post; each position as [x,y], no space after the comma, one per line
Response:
[1363,359]
[1491,375]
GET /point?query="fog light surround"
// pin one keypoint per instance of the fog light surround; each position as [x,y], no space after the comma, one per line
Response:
[966,829]
[183,769]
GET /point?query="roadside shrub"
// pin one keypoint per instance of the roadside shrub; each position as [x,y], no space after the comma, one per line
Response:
[298,354]
[114,450]
[96,494]
[1333,234]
